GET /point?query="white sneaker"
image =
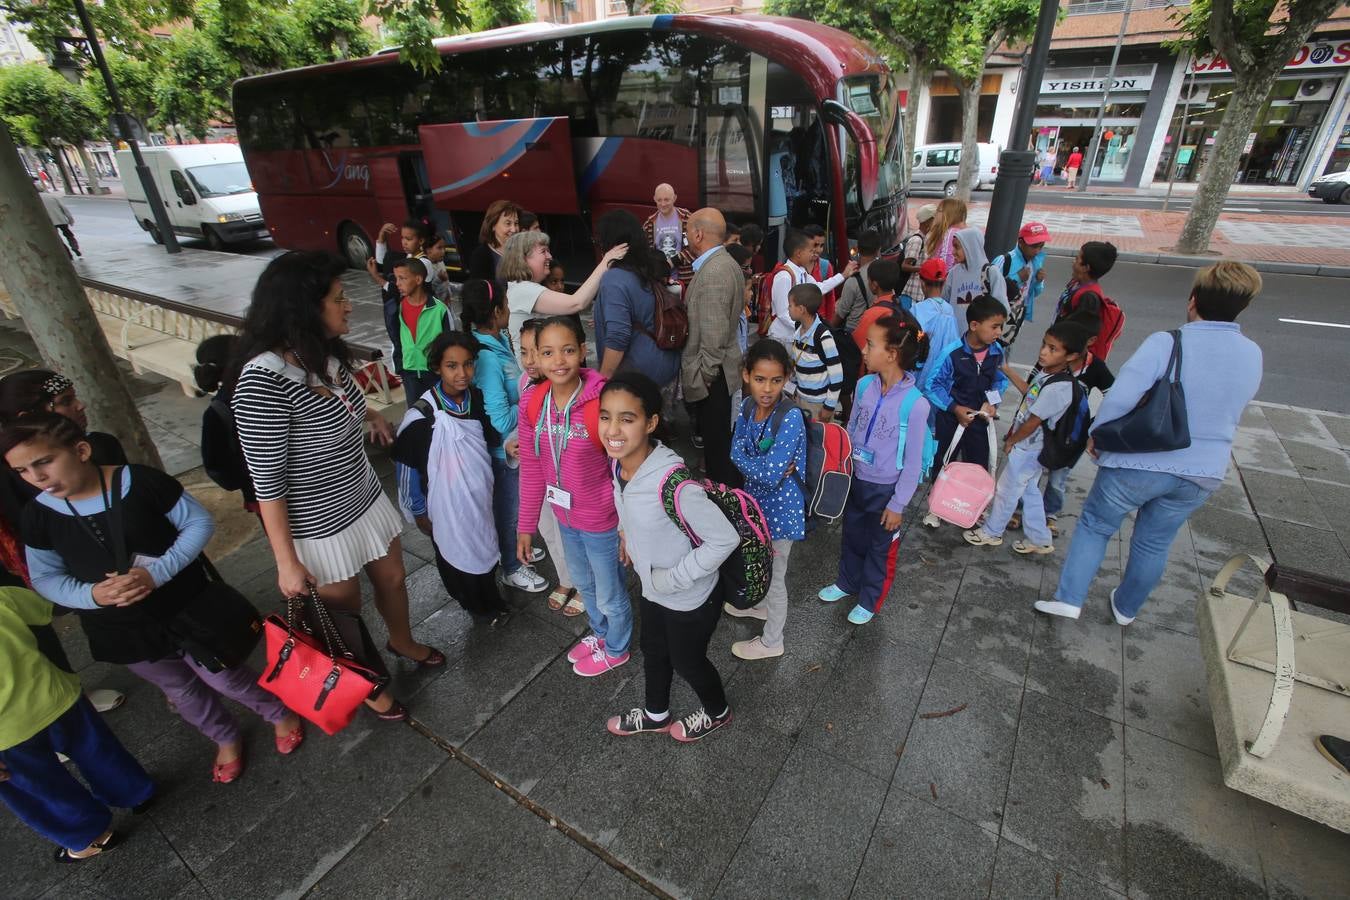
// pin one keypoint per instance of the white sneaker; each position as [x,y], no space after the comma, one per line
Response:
[754,612]
[526,579]
[536,555]
[931,521]
[755,649]
[1120,620]
[1056,608]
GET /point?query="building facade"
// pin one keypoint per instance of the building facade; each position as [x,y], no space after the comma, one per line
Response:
[570,12]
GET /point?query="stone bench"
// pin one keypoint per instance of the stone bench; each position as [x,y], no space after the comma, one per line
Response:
[1278,678]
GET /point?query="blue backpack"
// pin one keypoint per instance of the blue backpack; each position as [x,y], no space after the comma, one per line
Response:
[906,407]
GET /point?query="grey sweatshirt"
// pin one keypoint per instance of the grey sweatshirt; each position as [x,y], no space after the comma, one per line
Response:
[674,573]
[965,281]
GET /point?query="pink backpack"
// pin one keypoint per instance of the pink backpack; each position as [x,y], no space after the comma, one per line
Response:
[962,491]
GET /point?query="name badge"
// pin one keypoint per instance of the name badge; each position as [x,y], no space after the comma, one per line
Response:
[558,497]
[863,455]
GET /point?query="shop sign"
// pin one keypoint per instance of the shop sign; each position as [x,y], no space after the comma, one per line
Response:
[1053,85]
[1318,55]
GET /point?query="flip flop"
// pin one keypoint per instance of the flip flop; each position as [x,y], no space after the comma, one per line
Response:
[63,855]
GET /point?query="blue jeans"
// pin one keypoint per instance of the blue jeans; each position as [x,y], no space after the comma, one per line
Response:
[506,511]
[593,560]
[1055,486]
[1020,480]
[1163,503]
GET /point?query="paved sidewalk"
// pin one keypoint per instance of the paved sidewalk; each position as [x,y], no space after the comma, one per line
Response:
[957,746]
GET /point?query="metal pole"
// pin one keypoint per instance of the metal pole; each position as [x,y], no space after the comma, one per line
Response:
[1181,134]
[142,170]
[1017,164]
[1091,158]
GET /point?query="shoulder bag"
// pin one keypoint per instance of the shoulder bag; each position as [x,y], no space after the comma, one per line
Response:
[1158,423]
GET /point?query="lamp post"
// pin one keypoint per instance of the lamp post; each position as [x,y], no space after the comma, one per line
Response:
[124,132]
[1017,165]
[1096,143]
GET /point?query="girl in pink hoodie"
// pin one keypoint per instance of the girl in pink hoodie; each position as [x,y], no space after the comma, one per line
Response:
[563,464]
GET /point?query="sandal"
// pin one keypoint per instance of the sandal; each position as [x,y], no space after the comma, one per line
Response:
[558,596]
[225,773]
[396,713]
[100,846]
[287,743]
[433,660]
[574,607]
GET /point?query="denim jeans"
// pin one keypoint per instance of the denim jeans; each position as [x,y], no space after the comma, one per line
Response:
[506,511]
[593,560]
[1020,480]
[1056,484]
[1163,502]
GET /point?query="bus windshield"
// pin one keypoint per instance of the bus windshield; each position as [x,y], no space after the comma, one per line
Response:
[220,179]
[871,96]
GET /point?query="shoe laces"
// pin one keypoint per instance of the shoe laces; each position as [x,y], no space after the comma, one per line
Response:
[697,721]
[592,642]
[633,720]
[599,656]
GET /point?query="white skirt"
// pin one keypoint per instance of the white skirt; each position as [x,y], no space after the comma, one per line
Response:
[342,555]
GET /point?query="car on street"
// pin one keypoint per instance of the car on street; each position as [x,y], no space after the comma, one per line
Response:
[1333,187]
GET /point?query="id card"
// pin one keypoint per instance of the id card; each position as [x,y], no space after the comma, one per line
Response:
[863,455]
[558,497]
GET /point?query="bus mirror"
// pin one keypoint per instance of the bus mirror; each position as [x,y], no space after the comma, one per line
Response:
[837,113]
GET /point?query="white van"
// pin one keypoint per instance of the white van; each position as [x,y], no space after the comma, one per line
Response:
[936,165]
[205,190]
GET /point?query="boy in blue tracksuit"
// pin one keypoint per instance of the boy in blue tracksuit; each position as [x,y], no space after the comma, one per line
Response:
[965,379]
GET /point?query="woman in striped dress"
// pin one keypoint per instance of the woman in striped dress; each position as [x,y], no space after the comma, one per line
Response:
[302,421]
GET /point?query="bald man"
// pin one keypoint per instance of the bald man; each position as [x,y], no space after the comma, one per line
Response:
[667,228]
[710,369]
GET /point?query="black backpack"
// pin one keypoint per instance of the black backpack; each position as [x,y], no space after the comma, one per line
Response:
[1012,290]
[222,456]
[1064,444]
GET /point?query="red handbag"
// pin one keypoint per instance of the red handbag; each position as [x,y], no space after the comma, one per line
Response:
[316,676]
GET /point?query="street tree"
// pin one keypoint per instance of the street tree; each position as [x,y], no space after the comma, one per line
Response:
[135,80]
[46,110]
[192,90]
[499,13]
[1256,38]
[126,24]
[652,7]
[330,30]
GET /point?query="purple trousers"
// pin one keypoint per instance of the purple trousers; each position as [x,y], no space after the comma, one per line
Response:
[196,694]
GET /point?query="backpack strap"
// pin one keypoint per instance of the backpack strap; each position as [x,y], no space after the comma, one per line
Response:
[425,408]
[669,492]
[590,414]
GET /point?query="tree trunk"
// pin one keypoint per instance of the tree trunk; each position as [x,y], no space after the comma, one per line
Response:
[51,301]
[61,168]
[90,170]
[918,77]
[970,123]
[1222,165]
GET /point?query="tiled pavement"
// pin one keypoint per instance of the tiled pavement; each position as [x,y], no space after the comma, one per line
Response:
[958,746]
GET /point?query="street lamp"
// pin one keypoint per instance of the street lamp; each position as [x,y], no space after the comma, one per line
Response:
[64,62]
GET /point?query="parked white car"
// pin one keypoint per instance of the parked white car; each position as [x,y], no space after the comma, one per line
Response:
[205,189]
[936,166]
[1333,187]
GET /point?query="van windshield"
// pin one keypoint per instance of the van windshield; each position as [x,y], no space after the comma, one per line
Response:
[220,179]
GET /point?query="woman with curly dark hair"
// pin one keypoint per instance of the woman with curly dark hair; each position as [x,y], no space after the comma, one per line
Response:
[625,309]
[301,421]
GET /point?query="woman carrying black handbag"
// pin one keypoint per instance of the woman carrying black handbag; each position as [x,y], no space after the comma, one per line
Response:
[1167,429]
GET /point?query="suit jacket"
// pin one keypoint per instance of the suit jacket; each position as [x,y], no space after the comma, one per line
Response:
[714,300]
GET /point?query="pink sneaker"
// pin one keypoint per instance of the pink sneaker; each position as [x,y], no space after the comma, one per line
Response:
[598,663]
[584,648]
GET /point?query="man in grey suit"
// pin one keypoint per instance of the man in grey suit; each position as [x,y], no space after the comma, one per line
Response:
[710,369]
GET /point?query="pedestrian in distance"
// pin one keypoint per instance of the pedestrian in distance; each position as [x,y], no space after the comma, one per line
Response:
[912,253]
[743,258]
[438,276]
[816,372]
[752,238]
[1044,400]
[1071,167]
[972,275]
[710,367]
[42,713]
[122,546]
[62,219]
[302,423]
[769,448]
[1220,372]
[527,221]
[892,450]
[822,270]
[421,319]
[682,593]
[563,463]
[557,278]
[497,376]
[1025,264]
[445,477]
[500,221]
[526,262]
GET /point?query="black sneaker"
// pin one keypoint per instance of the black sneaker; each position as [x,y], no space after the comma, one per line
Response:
[636,721]
[698,725]
[1336,750]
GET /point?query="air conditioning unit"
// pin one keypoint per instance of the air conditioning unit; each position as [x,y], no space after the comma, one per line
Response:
[1314,90]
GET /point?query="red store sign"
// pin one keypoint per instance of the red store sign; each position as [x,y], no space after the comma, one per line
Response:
[1319,55]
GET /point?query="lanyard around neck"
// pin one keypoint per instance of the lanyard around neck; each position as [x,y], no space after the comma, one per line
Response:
[557,448]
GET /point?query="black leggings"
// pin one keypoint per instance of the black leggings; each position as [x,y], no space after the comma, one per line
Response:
[678,642]
[477,594]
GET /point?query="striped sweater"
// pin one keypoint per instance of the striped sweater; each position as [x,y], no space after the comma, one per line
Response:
[585,467]
[817,373]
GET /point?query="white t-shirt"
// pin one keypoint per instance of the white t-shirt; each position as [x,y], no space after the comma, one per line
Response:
[1047,402]
[521,296]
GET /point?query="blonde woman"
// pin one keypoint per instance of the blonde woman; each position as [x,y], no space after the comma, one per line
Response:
[525,264]
[950,218]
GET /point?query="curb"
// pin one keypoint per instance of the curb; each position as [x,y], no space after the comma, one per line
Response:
[1161,258]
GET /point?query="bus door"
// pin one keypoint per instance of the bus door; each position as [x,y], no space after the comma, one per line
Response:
[529,161]
[412,172]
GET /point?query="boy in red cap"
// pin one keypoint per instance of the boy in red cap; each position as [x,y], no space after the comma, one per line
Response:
[1026,263]
[932,312]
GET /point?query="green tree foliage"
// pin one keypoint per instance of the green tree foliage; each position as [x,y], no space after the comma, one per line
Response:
[1256,38]
[193,87]
[330,29]
[487,14]
[416,23]
[652,7]
[43,109]
[126,24]
[135,80]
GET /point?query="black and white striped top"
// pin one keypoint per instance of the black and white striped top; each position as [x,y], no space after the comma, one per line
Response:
[303,447]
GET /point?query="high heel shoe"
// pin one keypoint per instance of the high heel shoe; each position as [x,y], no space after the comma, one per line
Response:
[395,713]
[287,743]
[433,660]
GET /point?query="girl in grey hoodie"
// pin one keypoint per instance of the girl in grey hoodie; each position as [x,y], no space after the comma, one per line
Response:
[681,594]
[966,280]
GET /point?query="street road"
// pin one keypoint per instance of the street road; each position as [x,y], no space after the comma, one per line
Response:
[1058,196]
[1303,362]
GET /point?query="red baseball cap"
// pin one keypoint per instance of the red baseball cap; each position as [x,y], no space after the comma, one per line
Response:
[933,270]
[1034,233]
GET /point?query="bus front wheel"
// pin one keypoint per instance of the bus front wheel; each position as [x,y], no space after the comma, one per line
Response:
[355,246]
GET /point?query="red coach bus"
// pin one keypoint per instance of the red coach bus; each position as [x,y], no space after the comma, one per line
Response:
[775,121]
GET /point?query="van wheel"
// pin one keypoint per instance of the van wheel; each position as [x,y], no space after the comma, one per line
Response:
[949,189]
[154,232]
[355,246]
[1345,194]
[213,239]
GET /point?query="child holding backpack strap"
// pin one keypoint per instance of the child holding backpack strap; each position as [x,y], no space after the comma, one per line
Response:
[769,447]
[678,563]
[1047,398]
[892,450]
[563,464]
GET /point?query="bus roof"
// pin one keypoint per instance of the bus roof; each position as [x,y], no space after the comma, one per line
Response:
[818,53]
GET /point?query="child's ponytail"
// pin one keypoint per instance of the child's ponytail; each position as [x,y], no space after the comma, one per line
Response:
[907,338]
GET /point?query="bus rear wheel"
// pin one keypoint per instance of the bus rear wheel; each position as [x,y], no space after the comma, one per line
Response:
[355,246]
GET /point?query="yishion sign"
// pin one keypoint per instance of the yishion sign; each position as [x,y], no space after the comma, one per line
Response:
[1320,55]
[1053,85]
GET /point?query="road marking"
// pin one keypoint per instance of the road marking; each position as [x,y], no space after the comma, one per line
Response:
[1322,324]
